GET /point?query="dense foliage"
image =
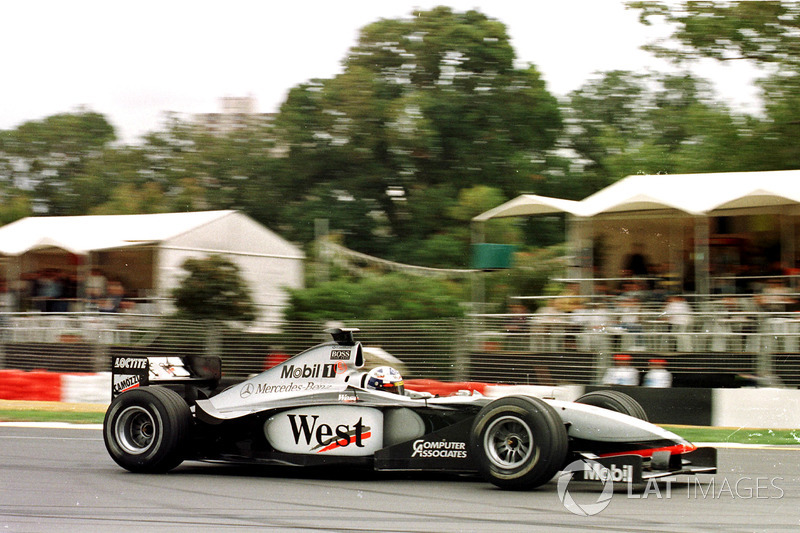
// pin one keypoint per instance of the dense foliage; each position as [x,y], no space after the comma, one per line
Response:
[431,122]
[214,289]
[763,34]
[389,297]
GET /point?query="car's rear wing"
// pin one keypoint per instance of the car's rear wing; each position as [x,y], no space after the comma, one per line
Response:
[192,371]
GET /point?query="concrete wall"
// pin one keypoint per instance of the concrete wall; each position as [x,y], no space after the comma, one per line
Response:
[743,407]
[758,408]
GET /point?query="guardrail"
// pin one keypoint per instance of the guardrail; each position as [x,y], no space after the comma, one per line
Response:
[644,332]
[710,349]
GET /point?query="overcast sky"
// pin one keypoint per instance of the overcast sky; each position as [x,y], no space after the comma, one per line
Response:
[134,60]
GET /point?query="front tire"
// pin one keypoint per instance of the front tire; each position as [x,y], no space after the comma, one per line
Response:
[520,442]
[146,430]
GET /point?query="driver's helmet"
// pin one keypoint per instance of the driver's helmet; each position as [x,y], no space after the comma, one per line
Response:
[385,378]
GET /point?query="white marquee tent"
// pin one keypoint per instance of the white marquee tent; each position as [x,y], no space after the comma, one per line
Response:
[692,194]
[675,214]
[146,251]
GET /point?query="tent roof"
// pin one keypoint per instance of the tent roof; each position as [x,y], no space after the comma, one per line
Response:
[530,204]
[83,234]
[693,194]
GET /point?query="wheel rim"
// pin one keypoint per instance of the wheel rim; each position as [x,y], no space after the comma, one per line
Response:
[135,430]
[508,442]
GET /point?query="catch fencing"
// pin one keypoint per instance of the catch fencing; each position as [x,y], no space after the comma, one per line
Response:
[709,350]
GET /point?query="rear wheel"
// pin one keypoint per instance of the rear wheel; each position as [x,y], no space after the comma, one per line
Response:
[520,442]
[614,401]
[145,430]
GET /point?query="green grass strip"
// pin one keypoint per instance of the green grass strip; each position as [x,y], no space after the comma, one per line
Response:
[736,435]
[32,415]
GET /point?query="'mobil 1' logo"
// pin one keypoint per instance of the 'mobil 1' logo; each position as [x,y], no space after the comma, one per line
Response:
[309,371]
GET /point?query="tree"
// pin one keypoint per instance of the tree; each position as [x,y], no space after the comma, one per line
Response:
[606,114]
[448,246]
[425,107]
[42,158]
[214,289]
[14,207]
[624,123]
[389,297]
[764,32]
[761,33]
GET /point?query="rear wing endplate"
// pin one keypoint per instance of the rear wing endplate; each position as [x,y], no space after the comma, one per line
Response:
[130,372]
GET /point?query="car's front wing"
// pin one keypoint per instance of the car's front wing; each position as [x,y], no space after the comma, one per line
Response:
[637,469]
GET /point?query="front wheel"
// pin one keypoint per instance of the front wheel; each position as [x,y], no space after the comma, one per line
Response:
[145,430]
[520,442]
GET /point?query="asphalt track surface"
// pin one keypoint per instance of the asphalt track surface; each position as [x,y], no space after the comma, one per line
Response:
[61,479]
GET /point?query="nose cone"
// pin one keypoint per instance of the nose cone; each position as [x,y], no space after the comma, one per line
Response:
[684,446]
[588,422]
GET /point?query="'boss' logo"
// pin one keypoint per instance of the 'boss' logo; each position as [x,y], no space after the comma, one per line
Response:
[340,355]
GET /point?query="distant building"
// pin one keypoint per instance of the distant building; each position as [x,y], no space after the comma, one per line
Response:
[236,112]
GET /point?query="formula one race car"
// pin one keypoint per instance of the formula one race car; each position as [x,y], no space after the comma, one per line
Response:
[318,408]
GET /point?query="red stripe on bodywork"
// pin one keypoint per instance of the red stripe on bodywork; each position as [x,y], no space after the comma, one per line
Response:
[336,444]
[677,449]
[444,388]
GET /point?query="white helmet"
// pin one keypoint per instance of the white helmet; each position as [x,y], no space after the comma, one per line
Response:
[385,378]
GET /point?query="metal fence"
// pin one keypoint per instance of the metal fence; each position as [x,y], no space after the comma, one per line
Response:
[86,342]
[707,349]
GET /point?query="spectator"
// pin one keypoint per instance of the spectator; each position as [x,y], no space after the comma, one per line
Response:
[112,300]
[50,290]
[546,310]
[636,262]
[657,376]
[667,284]
[592,321]
[546,322]
[570,298]
[127,306]
[518,320]
[95,286]
[6,302]
[29,292]
[70,294]
[61,303]
[629,312]
[634,289]
[678,314]
[622,373]
[517,327]
[775,296]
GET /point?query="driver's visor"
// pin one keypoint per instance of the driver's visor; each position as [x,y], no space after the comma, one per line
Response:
[396,387]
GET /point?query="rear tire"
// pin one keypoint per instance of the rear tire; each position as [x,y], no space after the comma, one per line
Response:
[520,442]
[614,401]
[146,429]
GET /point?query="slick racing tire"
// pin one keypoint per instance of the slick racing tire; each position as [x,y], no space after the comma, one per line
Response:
[520,442]
[614,401]
[146,429]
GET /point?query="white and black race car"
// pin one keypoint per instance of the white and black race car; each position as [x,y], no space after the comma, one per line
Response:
[317,408]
